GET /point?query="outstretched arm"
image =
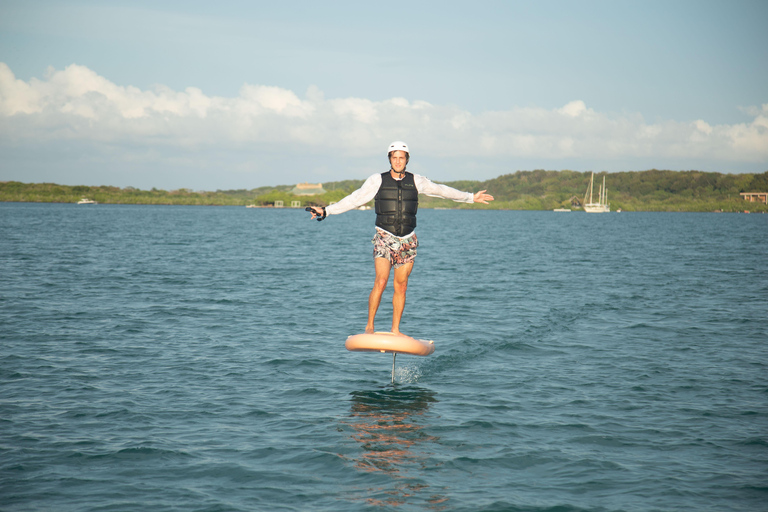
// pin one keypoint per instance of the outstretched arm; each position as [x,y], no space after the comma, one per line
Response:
[357,198]
[427,187]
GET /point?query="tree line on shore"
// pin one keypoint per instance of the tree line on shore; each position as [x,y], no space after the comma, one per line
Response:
[652,190]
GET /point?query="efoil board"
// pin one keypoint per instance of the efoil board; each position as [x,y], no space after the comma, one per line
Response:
[387,342]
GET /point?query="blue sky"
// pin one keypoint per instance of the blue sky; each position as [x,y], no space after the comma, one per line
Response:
[217,95]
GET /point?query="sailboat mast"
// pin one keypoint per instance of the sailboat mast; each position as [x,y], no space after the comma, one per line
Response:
[604,194]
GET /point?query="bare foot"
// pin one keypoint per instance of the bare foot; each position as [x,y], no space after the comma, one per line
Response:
[398,333]
[369,330]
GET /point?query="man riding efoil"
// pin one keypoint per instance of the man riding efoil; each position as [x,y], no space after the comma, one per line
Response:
[396,193]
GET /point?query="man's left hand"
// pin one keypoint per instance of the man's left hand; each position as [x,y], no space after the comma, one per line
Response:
[482,197]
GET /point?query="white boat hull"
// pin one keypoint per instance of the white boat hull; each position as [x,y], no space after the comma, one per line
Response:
[597,208]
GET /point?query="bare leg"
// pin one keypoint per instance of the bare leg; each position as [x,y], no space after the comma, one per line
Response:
[382,267]
[398,298]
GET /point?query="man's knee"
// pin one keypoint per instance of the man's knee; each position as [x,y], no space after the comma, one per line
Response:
[379,285]
[380,282]
[401,284]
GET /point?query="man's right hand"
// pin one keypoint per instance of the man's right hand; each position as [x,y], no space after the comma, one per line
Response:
[317,212]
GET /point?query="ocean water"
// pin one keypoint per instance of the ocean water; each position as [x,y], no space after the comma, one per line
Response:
[159,358]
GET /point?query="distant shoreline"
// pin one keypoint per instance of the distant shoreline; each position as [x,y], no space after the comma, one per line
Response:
[653,190]
[288,208]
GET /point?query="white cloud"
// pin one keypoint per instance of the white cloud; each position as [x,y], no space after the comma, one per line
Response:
[574,108]
[17,96]
[78,104]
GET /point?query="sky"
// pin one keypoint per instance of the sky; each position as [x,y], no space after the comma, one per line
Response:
[242,94]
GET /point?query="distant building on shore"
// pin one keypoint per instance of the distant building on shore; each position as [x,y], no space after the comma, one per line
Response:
[308,189]
[755,197]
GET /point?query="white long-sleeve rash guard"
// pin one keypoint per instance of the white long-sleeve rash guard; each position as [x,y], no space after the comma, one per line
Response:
[371,187]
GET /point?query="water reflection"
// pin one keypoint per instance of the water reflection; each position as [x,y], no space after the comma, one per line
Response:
[390,427]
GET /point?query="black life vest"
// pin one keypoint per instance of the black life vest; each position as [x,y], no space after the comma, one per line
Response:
[397,202]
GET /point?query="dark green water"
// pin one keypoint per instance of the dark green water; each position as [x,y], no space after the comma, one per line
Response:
[192,359]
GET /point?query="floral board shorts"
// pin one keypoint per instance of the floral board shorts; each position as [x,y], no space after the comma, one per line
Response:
[398,251]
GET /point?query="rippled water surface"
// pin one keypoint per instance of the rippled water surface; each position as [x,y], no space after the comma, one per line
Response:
[192,359]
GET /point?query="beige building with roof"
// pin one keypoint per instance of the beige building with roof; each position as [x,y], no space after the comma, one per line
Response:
[308,189]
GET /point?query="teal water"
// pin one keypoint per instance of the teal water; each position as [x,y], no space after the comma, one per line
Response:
[192,359]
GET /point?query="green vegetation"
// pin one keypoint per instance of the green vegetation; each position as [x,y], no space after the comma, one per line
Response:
[263,196]
[52,193]
[652,190]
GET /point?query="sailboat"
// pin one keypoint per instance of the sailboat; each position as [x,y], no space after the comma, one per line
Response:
[601,206]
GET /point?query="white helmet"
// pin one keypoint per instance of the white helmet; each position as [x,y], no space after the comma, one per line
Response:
[399,146]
